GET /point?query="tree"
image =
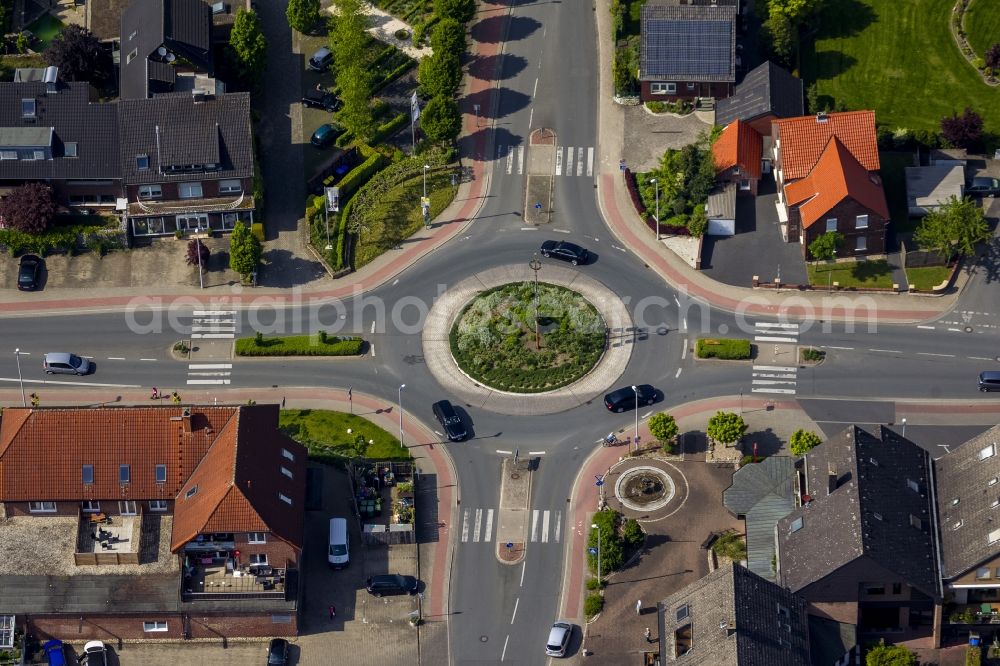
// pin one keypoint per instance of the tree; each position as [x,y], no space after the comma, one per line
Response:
[355,91]
[993,56]
[460,10]
[663,427]
[28,208]
[348,38]
[726,427]
[80,56]
[249,45]
[303,15]
[796,11]
[244,250]
[448,37]
[441,120]
[963,131]
[780,35]
[440,74]
[954,228]
[194,248]
[890,655]
[803,441]
[826,245]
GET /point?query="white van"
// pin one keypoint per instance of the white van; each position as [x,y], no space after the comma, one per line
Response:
[339,553]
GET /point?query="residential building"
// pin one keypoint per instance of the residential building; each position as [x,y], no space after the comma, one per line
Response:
[737,156]
[104,18]
[687,51]
[765,94]
[151,522]
[733,617]
[826,169]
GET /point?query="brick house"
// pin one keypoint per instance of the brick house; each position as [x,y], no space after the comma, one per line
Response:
[826,169]
[737,156]
[204,511]
[687,52]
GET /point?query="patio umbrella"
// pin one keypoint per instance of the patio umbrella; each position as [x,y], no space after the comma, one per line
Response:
[985,608]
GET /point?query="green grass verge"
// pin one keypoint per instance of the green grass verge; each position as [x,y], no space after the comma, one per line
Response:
[324,433]
[45,28]
[866,56]
[299,345]
[851,274]
[723,348]
[982,25]
[927,277]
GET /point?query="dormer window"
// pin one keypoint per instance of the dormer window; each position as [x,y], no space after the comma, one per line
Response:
[70,149]
[191,492]
[142,162]
[28,108]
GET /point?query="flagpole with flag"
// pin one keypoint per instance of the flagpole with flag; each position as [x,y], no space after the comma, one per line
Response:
[414,115]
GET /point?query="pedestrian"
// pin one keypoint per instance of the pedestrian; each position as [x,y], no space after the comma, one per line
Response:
[638,607]
[649,635]
[333,613]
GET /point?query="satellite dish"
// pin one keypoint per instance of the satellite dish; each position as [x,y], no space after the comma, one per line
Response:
[162,51]
[171,57]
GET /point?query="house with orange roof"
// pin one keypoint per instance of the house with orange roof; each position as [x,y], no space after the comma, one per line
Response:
[149,517]
[826,170]
[737,156]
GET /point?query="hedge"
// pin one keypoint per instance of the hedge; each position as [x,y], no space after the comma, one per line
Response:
[393,75]
[63,237]
[360,174]
[593,604]
[390,128]
[299,345]
[723,348]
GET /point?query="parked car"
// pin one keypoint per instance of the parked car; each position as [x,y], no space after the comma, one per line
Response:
[54,653]
[62,363]
[450,420]
[984,186]
[277,652]
[566,251]
[94,654]
[325,135]
[384,584]
[28,271]
[558,640]
[623,399]
[321,99]
[321,60]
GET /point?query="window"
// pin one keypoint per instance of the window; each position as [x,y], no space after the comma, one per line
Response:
[128,508]
[690,86]
[796,525]
[913,485]
[955,501]
[150,192]
[873,461]
[861,222]
[988,452]
[154,626]
[131,56]
[831,224]
[958,524]
[161,473]
[157,505]
[897,588]
[994,536]
[744,184]
[288,454]
[995,504]
[683,612]
[982,572]
[35,155]
[28,108]
[88,474]
[287,472]
[784,612]
[258,558]
[132,36]
[229,186]
[861,244]
[124,473]
[189,190]
[662,88]
[42,507]
[191,492]
[256,537]
[8,154]
[90,506]
[994,480]
[70,149]
[875,590]
[916,522]
[877,516]
[142,162]
[285,498]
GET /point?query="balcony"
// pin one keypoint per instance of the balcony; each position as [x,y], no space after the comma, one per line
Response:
[983,613]
[105,540]
[221,581]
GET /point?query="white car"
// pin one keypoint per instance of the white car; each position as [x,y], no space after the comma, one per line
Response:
[94,654]
[559,637]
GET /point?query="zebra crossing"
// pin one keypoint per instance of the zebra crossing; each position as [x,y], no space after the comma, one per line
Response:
[212,325]
[776,378]
[479,525]
[569,160]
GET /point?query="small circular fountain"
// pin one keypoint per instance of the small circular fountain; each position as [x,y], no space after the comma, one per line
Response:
[644,488]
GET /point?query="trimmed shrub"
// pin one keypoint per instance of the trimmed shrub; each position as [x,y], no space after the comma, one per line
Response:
[730,545]
[593,604]
[299,345]
[632,533]
[723,348]
[390,128]
[594,584]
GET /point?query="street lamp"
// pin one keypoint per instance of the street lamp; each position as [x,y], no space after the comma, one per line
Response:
[400,402]
[536,264]
[425,204]
[598,528]
[904,426]
[20,380]
[656,184]
[635,389]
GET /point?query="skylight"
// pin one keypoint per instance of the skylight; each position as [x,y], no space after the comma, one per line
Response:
[27,108]
[994,536]
[88,473]
[796,525]
[142,162]
[190,493]
[988,451]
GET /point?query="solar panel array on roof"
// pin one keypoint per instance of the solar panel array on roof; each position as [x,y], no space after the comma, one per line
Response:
[688,43]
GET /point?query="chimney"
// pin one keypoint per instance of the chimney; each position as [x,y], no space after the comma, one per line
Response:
[186,420]
[831,479]
[821,117]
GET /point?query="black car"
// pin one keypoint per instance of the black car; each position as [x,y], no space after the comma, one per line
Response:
[325,135]
[277,652]
[623,399]
[384,584]
[987,186]
[566,251]
[28,271]
[320,99]
[450,420]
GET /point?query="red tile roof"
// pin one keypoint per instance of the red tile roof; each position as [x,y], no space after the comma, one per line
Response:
[836,176]
[738,145]
[804,138]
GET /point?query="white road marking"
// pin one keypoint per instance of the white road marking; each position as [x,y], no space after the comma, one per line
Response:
[620,249]
[439,433]
[510,160]
[764,324]
[978,358]
[684,324]
[569,161]
[579,162]
[520,160]
[479,524]
[534,525]
[887,351]
[531,118]
[774,375]
[534,90]
[558,529]
[678,373]
[832,347]
[536,453]
[559,160]
[545,527]
[396,281]
[465,526]
[770,338]
[502,654]
[775,368]
[529,228]
[773,390]
[70,383]
[147,359]
[373,350]
[504,452]
[116,358]
[212,382]
[927,328]
[677,301]
[562,231]
[489,525]
[523,567]
[646,415]
[212,313]
[771,382]
[684,351]
[590,161]
[373,326]
[210,366]
[955,330]
[930,354]
[514,614]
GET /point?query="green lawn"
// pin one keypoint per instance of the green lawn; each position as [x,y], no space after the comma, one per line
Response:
[45,27]
[858,274]
[898,58]
[982,25]
[325,432]
[299,345]
[927,277]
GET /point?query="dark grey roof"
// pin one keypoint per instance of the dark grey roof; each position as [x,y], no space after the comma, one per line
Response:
[870,499]
[71,116]
[174,129]
[767,89]
[721,204]
[736,618]
[969,474]
[183,27]
[764,493]
[688,43]
[830,640]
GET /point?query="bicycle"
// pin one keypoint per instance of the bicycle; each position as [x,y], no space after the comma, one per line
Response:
[612,440]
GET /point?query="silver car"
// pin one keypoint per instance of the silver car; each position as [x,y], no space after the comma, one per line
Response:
[558,640]
[62,363]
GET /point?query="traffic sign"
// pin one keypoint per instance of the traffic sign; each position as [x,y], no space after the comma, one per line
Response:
[538,206]
[592,551]
[621,165]
[599,483]
[509,545]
